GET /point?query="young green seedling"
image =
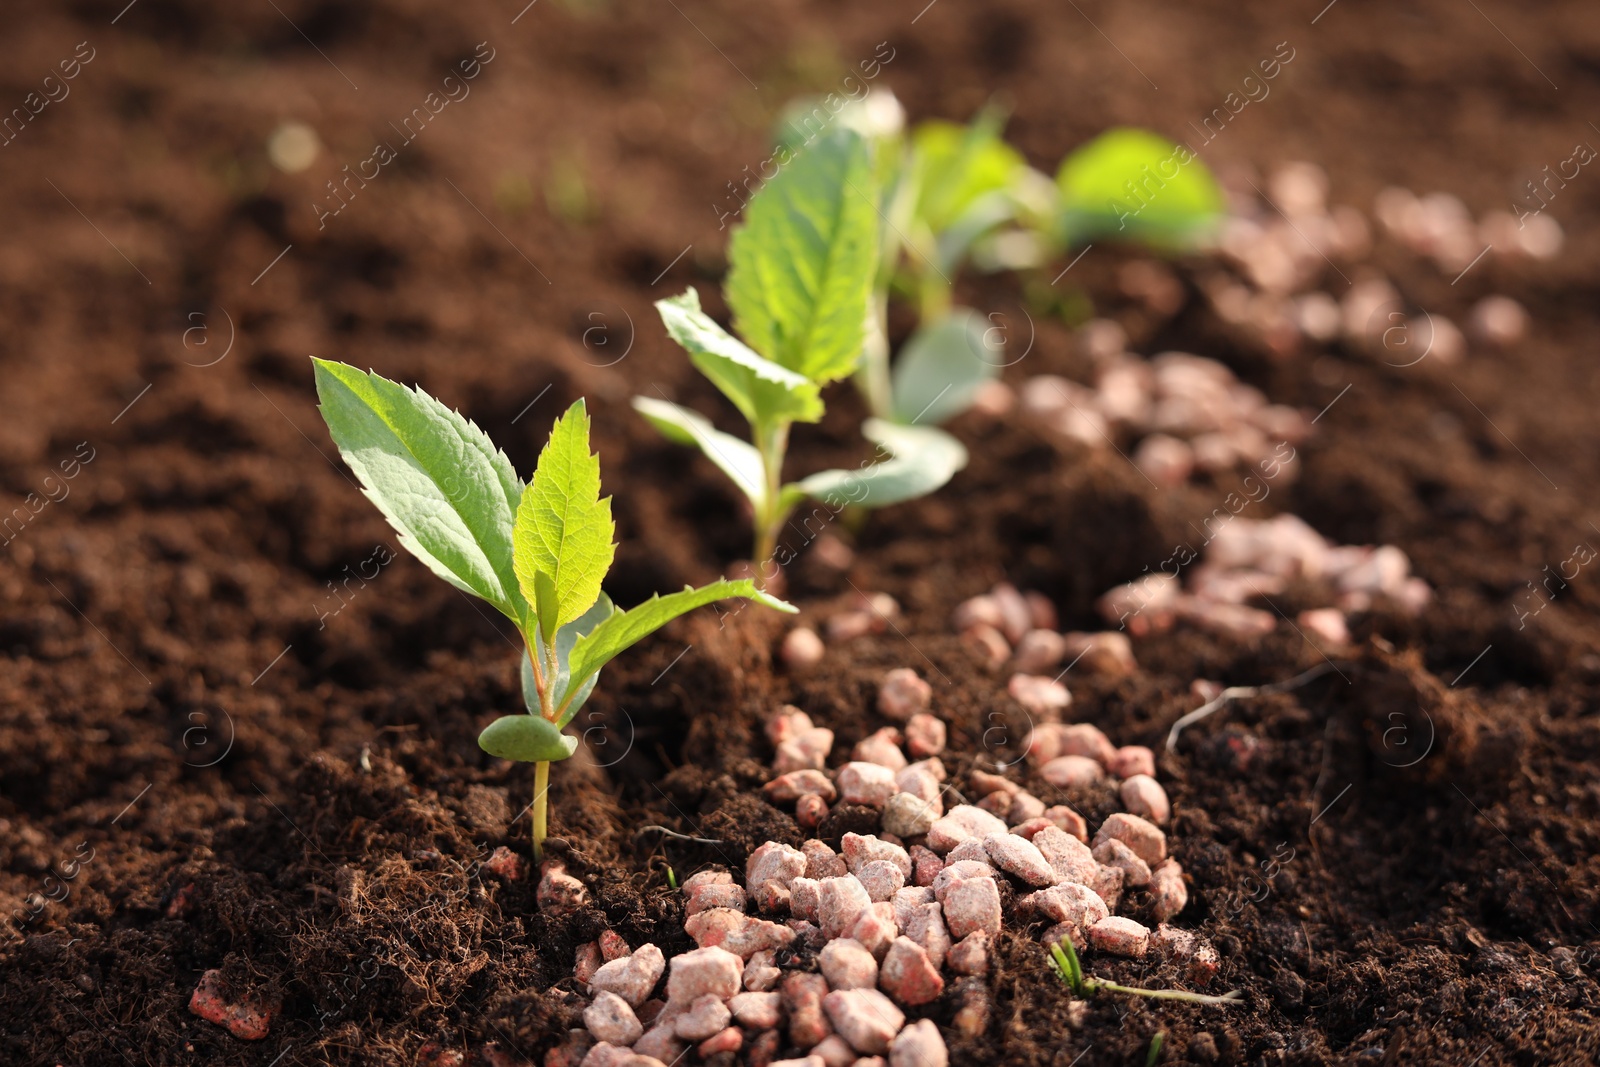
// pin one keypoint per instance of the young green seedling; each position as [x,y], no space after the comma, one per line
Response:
[801,269]
[1065,959]
[1135,185]
[536,552]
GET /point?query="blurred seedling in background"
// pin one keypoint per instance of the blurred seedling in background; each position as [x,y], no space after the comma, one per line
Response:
[536,552]
[1064,957]
[801,271]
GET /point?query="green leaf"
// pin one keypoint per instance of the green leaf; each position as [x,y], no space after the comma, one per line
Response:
[922,459]
[437,478]
[563,529]
[942,365]
[1135,184]
[959,166]
[761,389]
[738,459]
[566,637]
[802,265]
[623,629]
[526,739]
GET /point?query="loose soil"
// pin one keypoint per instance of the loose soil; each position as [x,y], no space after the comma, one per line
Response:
[244,769]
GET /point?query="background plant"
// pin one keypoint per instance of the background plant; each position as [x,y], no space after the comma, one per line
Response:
[538,552]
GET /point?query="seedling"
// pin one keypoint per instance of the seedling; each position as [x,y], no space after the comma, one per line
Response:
[536,552]
[1132,184]
[801,271]
[1154,1054]
[1065,959]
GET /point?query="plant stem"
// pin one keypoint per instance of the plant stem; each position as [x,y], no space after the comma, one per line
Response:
[873,376]
[541,812]
[772,441]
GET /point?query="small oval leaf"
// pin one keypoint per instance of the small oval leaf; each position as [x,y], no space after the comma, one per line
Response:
[526,739]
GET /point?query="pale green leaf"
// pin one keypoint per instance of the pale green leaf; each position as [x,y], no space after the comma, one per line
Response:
[438,479]
[738,459]
[959,166]
[942,366]
[563,528]
[922,458]
[562,686]
[623,629]
[802,264]
[1137,185]
[526,739]
[762,390]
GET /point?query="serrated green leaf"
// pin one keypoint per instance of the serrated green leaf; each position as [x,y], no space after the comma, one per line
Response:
[438,479]
[562,687]
[942,366]
[622,630]
[1138,185]
[801,267]
[526,739]
[922,458]
[761,389]
[738,459]
[563,529]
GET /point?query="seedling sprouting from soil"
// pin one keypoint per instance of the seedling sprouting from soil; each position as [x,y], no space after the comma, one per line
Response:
[1065,959]
[801,271]
[536,552]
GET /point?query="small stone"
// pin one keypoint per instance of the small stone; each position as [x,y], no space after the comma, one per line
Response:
[859,850]
[705,897]
[741,934]
[835,1051]
[919,1045]
[925,925]
[1168,893]
[925,865]
[1038,651]
[802,649]
[1498,320]
[1108,883]
[1146,839]
[612,945]
[1113,853]
[846,964]
[558,891]
[802,1000]
[843,900]
[903,694]
[1069,858]
[759,1011]
[1143,796]
[987,645]
[605,1054]
[505,864]
[1016,617]
[1028,827]
[728,1040]
[805,899]
[1085,739]
[1024,806]
[881,747]
[959,870]
[703,972]
[933,765]
[1131,760]
[587,962]
[972,1018]
[570,1053]
[768,872]
[973,904]
[807,750]
[1042,697]
[1327,625]
[611,1019]
[960,823]
[866,783]
[1120,937]
[822,861]
[882,879]
[970,849]
[1107,653]
[248,1017]
[865,1018]
[810,812]
[908,815]
[1072,772]
[980,610]
[985,784]
[998,804]
[908,975]
[793,785]
[632,977]
[788,721]
[707,1015]
[1074,906]
[1068,820]
[1018,856]
[919,781]
[849,625]
[876,928]
[709,876]
[908,900]
[970,955]
[925,735]
[764,1048]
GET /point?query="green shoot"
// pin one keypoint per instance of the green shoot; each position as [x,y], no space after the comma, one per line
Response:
[1154,1054]
[1136,185]
[672,879]
[802,266]
[537,552]
[1064,957]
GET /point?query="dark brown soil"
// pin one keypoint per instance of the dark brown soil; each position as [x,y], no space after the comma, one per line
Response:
[296,797]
